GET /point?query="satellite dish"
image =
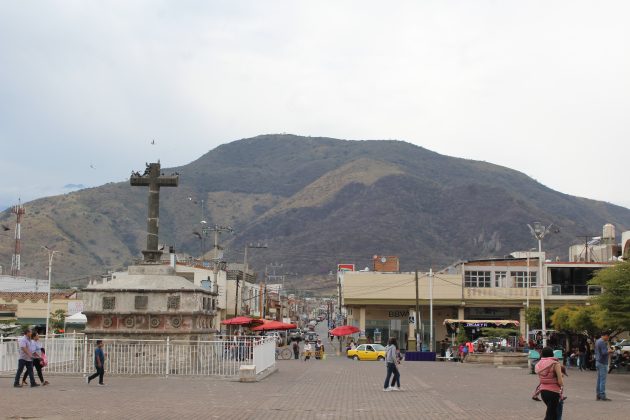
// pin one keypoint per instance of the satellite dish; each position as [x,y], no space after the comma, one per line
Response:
[383,260]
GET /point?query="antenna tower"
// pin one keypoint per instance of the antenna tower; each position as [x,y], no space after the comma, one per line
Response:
[15,259]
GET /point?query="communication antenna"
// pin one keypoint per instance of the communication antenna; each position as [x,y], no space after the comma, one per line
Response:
[15,259]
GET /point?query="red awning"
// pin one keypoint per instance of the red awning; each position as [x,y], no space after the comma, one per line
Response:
[274,325]
[242,320]
[344,330]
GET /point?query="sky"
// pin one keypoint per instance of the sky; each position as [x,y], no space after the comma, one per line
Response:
[542,87]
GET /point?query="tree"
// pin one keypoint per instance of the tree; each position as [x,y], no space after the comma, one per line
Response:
[57,319]
[500,332]
[533,318]
[461,335]
[578,319]
[615,298]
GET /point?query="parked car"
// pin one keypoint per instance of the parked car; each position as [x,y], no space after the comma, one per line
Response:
[296,335]
[367,352]
[311,337]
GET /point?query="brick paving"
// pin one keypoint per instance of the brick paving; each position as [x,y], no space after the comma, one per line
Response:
[336,388]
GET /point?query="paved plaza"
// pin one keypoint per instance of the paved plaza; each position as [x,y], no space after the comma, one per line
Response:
[336,388]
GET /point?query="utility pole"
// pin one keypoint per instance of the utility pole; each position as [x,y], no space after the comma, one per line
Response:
[279,278]
[51,254]
[431,309]
[253,246]
[417,320]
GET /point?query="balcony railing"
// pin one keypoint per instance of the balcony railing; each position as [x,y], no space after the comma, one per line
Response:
[532,292]
[501,292]
[573,290]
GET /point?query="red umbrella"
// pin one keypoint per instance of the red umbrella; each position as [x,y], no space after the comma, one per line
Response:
[241,320]
[274,325]
[344,330]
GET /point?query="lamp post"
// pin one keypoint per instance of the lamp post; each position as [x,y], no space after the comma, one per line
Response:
[51,254]
[529,283]
[539,231]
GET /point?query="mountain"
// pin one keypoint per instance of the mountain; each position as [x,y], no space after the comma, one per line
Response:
[316,202]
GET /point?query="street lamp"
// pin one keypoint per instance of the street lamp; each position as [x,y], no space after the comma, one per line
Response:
[529,283]
[51,254]
[539,231]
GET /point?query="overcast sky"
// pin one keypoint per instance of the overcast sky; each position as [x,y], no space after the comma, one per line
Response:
[540,87]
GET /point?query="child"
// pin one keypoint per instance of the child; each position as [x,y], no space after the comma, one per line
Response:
[307,351]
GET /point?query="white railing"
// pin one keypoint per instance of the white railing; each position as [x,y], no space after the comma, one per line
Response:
[9,354]
[75,355]
[265,354]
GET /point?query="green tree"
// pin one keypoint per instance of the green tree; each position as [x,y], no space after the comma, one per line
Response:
[533,318]
[461,335]
[615,298]
[500,332]
[57,319]
[578,319]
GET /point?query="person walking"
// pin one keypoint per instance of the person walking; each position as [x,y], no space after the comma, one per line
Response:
[602,353]
[37,351]
[25,360]
[99,363]
[391,361]
[296,350]
[549,372]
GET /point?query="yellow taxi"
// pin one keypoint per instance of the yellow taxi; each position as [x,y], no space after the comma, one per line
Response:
[368,352]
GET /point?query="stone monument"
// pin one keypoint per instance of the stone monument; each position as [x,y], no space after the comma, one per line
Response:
[150,301]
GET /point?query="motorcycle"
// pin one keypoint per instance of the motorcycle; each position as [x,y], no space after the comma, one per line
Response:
[617,361]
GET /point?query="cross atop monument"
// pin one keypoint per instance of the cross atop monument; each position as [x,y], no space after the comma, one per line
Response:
[153,179]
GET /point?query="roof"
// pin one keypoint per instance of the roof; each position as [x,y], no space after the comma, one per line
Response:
[35,296]
[147,282]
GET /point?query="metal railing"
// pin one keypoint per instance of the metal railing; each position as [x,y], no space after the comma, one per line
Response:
[502,292]
[73,355]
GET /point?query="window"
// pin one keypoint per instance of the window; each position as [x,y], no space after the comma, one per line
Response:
[477,279]
[109,302]
[520,279]
[500,279]
[142,302]
[173,302]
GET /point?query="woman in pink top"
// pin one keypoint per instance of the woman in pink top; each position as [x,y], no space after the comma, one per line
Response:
[550,374]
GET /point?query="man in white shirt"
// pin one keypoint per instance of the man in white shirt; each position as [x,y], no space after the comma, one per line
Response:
[25,360]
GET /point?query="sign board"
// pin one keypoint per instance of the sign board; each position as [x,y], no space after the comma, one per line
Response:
[345,267]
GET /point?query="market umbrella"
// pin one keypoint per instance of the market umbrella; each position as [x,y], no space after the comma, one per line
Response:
[274,325]
[344,330]
[241,320]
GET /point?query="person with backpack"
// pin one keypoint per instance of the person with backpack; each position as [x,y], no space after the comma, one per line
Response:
[464,352]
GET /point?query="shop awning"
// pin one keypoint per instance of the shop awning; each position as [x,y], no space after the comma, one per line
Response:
[481,322]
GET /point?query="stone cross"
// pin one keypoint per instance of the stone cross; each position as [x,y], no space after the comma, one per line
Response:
[153,179]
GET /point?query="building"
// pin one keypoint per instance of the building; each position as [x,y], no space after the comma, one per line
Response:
[31,307]
[474,294]
[150,301]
